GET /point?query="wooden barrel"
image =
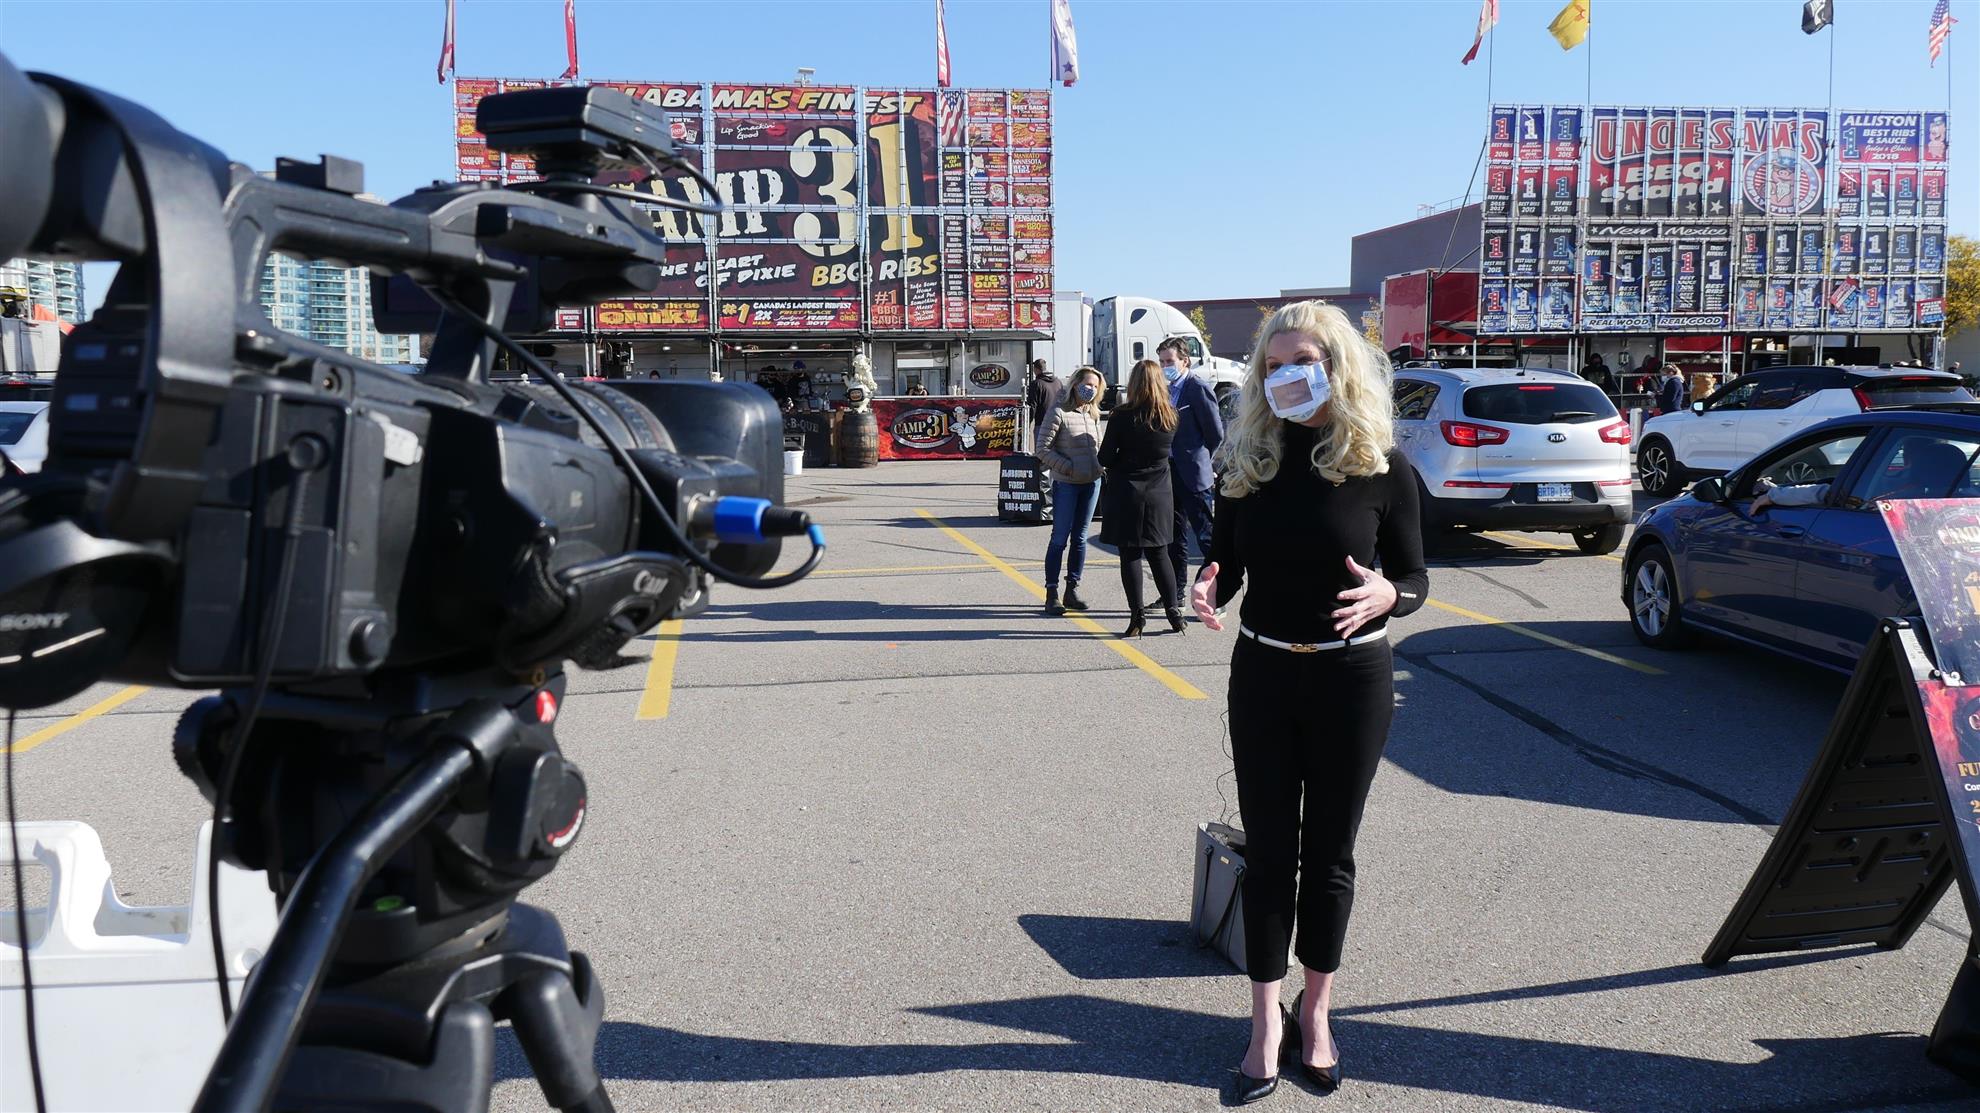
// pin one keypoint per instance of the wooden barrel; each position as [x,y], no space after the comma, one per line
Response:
[859,441]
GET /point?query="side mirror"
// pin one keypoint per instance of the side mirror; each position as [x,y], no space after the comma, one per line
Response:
[1712,489]
[1698,407]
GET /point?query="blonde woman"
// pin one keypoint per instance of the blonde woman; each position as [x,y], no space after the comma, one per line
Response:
[1069,447]
[1141,507]
[1313,497]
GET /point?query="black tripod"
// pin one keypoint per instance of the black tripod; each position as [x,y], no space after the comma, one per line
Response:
[400,943]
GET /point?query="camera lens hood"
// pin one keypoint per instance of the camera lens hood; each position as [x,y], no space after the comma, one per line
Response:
[27,174]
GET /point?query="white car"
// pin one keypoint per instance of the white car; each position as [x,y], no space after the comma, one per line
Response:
[24,434]
[1754,412]
[1530,449]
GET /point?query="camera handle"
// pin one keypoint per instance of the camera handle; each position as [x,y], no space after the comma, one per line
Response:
[424,1026]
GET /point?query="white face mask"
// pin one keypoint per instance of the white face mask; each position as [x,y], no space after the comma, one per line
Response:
[1296,391]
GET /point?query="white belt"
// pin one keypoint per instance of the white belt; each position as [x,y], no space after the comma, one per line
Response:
[1311,647]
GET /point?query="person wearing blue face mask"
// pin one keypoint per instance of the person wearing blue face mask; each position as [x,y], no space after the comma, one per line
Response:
[1199,431]
[1069,447]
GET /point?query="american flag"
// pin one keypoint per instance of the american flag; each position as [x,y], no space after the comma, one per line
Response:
[951,113]
[1942,24]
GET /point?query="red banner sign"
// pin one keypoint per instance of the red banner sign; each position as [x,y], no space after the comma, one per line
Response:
[946,428]
[652,314]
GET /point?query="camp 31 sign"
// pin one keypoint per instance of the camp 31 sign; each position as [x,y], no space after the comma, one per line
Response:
[846,209]
[946,428]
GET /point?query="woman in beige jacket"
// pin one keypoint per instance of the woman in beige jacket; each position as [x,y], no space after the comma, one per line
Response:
[1069,447]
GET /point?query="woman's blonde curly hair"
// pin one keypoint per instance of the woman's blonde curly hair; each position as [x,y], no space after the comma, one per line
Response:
[1360,429]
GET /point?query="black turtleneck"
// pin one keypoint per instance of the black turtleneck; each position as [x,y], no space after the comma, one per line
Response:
[1292,538]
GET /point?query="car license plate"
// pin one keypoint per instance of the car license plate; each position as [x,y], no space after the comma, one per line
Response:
[1556,492]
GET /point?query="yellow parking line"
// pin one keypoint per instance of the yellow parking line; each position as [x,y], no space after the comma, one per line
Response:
[1135,657]
[1528,543]
[103,706]
[1560,643]
[659,693]
[900,569]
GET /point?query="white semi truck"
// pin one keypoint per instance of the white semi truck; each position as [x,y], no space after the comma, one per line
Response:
[1127,330]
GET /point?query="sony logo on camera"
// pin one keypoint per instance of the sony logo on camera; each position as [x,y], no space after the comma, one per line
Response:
[25,623]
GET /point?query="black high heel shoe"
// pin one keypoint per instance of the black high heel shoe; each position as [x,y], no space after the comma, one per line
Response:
[1135,624]
[1176,621]
[1247,1089]
[1328,1077]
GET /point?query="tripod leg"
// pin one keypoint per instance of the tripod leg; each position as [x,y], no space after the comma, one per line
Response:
[556,1021]
[456,1080]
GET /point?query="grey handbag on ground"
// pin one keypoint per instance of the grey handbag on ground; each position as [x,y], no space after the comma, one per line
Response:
[1216,910]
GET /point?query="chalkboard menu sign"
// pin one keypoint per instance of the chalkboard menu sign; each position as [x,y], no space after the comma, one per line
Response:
[1024,491]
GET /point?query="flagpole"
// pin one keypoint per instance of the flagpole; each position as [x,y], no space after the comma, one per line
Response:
[1831,129]
[1588,88]
[1832,69]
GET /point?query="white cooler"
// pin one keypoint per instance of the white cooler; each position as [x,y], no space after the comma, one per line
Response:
[126,1009]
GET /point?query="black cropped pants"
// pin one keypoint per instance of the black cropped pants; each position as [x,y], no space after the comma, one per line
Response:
[1307,734]
[1157,558]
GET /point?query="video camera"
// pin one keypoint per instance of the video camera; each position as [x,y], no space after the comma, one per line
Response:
[383,572]
[199,457]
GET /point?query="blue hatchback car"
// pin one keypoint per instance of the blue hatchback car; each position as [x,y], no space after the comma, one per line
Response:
[1811,581]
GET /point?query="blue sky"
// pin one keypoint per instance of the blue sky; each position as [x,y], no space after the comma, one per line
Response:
[1212,149]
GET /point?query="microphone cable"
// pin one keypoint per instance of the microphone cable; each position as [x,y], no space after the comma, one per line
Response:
[21,927]
[223,808]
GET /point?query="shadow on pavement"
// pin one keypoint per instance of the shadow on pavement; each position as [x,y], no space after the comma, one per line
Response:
[1101,948]
[968,522]
[1643,501]
[1628,979]
[1105,1038]
[1639,727]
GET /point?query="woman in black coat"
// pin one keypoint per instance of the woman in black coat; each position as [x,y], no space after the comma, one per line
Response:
[1140,503]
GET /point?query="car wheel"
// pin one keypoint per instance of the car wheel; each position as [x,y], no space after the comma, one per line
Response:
[1657,467]
[1655,611]
[1599,542]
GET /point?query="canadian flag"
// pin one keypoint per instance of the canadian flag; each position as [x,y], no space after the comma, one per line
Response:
[446,66]
[570,40]
[1488,18]
[941,47]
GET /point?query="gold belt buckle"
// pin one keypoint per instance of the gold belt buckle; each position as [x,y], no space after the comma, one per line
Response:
[1304,648]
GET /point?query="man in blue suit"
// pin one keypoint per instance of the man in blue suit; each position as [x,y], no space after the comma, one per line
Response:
[1199,430]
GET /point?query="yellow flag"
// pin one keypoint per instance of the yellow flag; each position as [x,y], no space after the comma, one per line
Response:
[1571,26]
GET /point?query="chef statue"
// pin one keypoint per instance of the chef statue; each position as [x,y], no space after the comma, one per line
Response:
[860,390]
[964,426]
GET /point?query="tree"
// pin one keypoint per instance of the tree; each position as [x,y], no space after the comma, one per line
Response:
[1202,325]
[1962,284]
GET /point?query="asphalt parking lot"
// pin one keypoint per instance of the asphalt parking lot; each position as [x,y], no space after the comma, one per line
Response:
[895,839]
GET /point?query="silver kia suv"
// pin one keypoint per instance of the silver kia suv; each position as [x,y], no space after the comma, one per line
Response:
[1529,448]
